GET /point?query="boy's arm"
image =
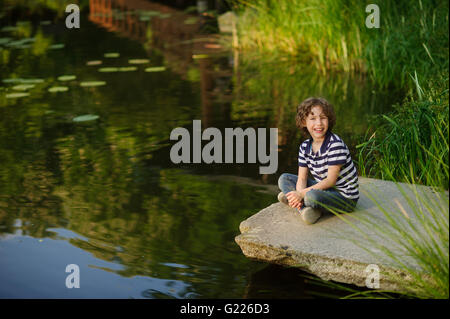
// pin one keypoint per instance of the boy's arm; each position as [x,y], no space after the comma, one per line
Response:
[328,182]
[294,196]
[302,178]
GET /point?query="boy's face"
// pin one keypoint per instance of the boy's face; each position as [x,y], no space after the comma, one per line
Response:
[316,123]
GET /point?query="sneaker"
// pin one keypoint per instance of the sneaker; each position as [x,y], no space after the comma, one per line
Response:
[282,198]
[310,215]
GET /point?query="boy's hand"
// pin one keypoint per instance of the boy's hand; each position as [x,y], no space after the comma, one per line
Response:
[295,199]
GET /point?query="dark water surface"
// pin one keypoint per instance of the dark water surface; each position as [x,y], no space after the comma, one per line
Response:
[104,194]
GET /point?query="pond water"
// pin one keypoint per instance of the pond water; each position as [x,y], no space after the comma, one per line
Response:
[103,193]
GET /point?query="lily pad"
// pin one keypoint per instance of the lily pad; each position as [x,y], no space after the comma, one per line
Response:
[13,80]
[67,77]
[149,13]
[23,87]
[111,55]
[191,20]
[15,43]
[200,56]
[24,46]
[46,22]
[127,68]
[191,9]
[138,61]
[9,28]
[28,40]
[108,69]
[16,95]
[4,40]
[155,69]
[31,81]
[57,46]
[95,62]
[85,118]
[55,89]
[23,81]
[23,23]
[92,83]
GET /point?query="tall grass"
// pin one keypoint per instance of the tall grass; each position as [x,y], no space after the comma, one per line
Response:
[333,34]
[413,140]
[413,38]
[307,29]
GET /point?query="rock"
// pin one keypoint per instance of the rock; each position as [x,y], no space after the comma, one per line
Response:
[332,249]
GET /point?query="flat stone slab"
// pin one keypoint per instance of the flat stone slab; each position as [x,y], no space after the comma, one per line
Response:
[334,250]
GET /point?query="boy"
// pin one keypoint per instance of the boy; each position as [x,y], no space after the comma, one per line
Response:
[327,158]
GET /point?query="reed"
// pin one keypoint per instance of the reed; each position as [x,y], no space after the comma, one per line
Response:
[417,226]
[301,28]
[333,35]
[411,144]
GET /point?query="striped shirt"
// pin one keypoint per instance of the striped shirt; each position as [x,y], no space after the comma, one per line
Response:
[332,152]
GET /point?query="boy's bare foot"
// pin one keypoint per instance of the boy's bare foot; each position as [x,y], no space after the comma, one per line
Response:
[310,215]
[282,198]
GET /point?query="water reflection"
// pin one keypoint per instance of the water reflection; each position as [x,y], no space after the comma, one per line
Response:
[103,194]
[253,92]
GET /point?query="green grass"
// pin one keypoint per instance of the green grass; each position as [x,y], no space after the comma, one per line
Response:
[332,35]
[307,29]
[411,144]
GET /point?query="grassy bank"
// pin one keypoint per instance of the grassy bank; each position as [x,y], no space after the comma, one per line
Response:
[411,144]
[333,35]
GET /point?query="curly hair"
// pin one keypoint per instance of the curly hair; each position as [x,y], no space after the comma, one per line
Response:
[305,107]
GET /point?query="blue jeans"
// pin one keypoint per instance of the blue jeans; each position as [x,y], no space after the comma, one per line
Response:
[316,198]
